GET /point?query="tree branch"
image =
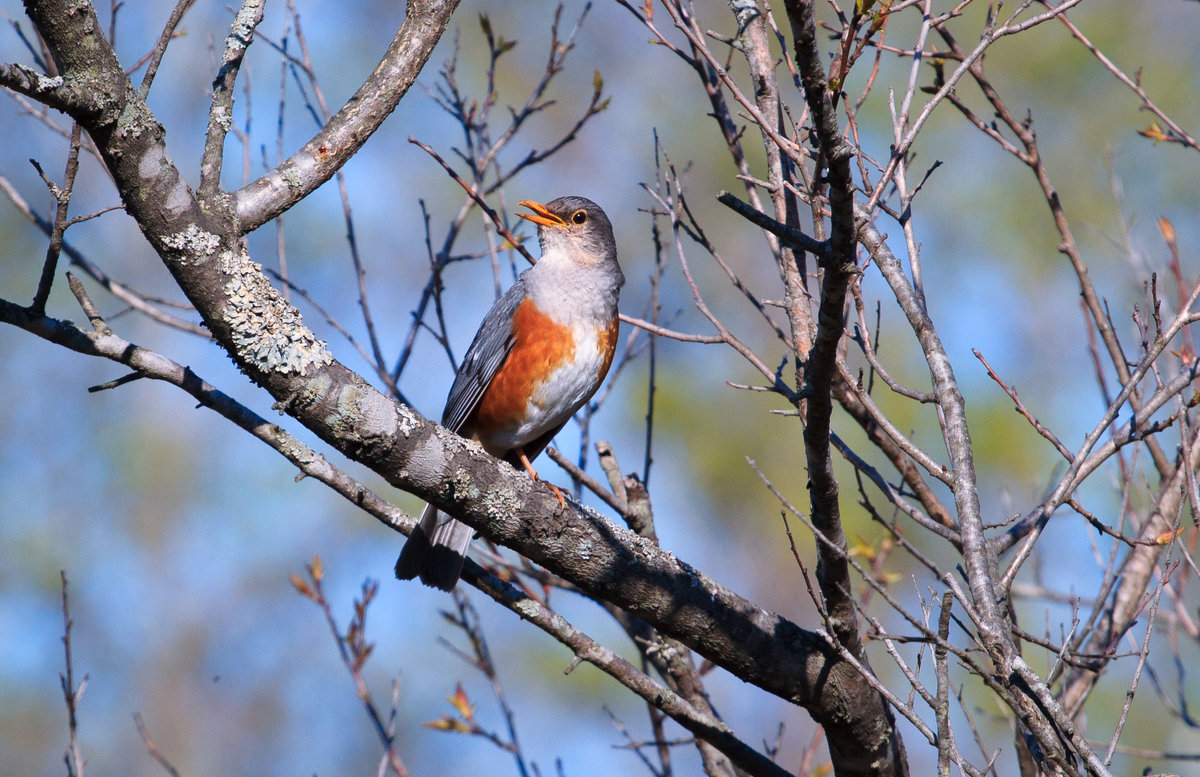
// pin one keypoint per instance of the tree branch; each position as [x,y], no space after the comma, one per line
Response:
[160,48]
[821,361]
[48,90]
[220,115]
[341,137]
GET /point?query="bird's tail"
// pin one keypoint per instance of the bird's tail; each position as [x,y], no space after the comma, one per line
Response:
[436,550]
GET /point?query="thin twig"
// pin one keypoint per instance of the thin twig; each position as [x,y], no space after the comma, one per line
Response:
[353,649]
[152,748]
[62,195]
[71,692]
[160,48]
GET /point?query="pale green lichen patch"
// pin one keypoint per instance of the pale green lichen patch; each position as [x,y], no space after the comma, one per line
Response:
[240,32]
[291,177]
[407,420]
[193,242]
[349,404]
[462,485]
[528,608]
[221,116]
[499,502]
[300,453]
[344,416]
[314,390]
[44,83]
[267,331]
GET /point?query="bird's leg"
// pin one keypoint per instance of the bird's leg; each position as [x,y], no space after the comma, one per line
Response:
[562,502]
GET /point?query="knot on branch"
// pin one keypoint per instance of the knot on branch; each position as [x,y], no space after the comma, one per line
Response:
[840,151]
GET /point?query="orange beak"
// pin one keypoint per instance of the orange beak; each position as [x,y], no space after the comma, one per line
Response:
[540,215]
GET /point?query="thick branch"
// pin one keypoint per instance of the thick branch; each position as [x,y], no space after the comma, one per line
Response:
[691,711]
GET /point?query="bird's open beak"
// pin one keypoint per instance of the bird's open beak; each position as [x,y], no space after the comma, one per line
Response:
[541,215]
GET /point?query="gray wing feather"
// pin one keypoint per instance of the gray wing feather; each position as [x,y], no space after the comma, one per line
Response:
[487,352]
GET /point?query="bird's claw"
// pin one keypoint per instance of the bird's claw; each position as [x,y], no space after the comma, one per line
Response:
[562,500]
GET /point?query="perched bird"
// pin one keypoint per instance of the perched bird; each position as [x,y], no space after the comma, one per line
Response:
[539,355]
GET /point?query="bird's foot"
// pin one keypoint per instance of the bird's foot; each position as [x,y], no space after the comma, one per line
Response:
[562,500]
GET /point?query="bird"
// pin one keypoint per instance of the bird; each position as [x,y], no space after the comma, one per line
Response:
[541,352]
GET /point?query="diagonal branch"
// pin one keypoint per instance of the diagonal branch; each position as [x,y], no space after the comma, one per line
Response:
[103,342]
[978,556]
[1025,696]
[220,115]
[341,137]
[160,48]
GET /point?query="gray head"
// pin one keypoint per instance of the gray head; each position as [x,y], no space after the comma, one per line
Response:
[577,230]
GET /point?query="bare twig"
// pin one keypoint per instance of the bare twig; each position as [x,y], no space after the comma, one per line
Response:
[152,748]
[134,299]
[317,160]
[160,48]
[353,649]
[467,619]
[62,195]
[71,692]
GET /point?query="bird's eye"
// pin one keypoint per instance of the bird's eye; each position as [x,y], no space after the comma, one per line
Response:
[579,217]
